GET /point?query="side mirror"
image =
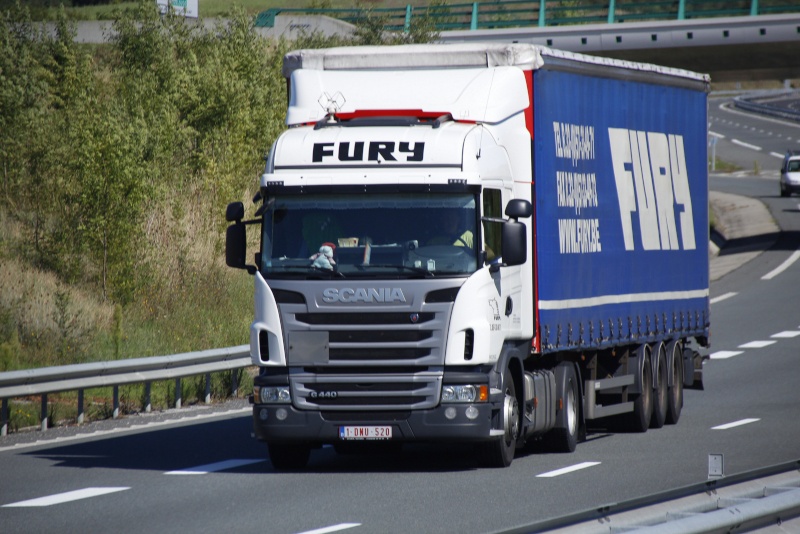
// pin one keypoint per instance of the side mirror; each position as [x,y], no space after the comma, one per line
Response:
[514,238]
[518,209]
[234,212]
[236,246]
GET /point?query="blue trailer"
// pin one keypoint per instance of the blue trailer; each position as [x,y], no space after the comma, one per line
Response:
[486,242]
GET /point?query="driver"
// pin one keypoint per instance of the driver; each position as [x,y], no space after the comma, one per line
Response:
[450,231]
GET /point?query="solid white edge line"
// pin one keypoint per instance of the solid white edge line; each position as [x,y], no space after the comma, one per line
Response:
[734,424]
[124,430]
[722,297]
[783,266]
[68,496]
[213,467]
[745,145]
[565,470]
[334,528]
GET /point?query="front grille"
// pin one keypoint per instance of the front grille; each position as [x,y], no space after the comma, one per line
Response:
[373,361]
[377,392]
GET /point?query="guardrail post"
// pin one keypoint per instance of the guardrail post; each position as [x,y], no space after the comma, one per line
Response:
[148,406]
[4,418]
[407,25]
[473,23]
[80,407]
[115,413]
[542,5]
[178,394]
[682,10]
[753,8]
[44,412]
[234,382]
[208,388]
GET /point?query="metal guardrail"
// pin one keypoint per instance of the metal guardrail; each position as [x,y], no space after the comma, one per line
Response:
[519,13]
[80,377]
[762,103]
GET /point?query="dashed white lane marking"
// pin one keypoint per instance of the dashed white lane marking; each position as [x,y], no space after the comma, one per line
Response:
[725,354]
[213,468]
[745,145]
[734,424]
[775,154]
[69,496]
[783,266]
[722,297]
[715,134]
[334,528]
[786,334]
[757,344]
[565,470]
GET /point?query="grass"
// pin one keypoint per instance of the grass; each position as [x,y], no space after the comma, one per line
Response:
[219,8]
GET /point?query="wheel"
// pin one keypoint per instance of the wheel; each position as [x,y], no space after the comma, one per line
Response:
[500,452]
[564,437]
[661,390]
[639,419]
[289,456]
[784,191]
[675,396]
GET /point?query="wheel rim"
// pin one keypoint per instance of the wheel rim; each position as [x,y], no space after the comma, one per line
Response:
[511,409]
[572,411]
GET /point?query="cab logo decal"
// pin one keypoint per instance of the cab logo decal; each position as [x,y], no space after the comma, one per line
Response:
[373,151]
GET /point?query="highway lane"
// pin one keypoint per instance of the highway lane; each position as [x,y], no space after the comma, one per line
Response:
[198,477]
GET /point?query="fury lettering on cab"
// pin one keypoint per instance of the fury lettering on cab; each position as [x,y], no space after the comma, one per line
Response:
[376,151]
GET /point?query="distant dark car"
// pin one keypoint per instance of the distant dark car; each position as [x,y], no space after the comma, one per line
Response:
[790,173]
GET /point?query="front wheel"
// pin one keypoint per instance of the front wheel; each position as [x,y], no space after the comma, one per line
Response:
[289,456]
[500,453]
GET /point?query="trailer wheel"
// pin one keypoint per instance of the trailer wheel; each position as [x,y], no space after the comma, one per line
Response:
[639,419]
[500,452]
[289,456]
[564,437]
[660,405]
[675,396]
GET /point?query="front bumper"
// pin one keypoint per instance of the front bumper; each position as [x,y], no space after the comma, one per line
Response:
[419,425]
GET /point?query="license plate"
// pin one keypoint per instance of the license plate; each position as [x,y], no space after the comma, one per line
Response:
[365,432]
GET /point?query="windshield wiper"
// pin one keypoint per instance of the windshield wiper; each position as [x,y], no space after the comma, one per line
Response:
[416,270]
[308,270]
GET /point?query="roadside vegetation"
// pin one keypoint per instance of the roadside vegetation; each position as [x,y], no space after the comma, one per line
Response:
[116,164]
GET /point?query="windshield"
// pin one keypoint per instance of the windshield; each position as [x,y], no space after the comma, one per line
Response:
[375,236]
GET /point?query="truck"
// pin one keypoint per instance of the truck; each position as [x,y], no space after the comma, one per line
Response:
[496,244]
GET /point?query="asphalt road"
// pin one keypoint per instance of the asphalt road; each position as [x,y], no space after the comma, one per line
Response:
[212,476]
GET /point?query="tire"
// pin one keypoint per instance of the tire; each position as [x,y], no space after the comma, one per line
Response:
[289,456]
[564,437]
[500,452]
[639,419]
[784,191]
[660,398]
[675,395]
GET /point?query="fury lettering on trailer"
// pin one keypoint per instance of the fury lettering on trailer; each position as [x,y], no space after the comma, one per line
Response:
[651,177]
[376,151]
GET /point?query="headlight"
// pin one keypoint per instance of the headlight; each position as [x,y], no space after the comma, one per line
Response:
[468,393]
[272,394]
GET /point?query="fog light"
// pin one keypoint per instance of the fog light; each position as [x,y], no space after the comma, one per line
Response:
[263,414]
[281,414]
[472,413]
[450,413]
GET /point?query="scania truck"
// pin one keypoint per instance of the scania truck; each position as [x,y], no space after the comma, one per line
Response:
[484,243]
